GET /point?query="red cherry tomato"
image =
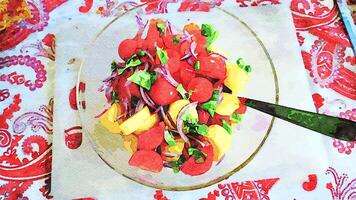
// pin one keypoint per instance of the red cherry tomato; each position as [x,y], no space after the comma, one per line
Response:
[152,138]
[203,116]
[186,73]
[202,89]
[127,48]
[190,167]
[217,119]
[242,109]
[212,67]
[173,61]
[163,93]
[147,160]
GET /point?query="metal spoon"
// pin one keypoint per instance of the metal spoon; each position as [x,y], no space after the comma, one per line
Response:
[331,126]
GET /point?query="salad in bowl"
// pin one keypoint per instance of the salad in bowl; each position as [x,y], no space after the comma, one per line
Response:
[173,98]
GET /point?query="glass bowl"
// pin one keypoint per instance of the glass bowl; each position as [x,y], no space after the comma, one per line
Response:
[236,39]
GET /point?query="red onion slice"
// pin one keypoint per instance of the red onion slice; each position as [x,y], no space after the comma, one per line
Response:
[149,56]
[220,94]
[197,140]
[180,120]
[193,47]
[146,98]
[107,106]
[219,55]
[139,106]
[167,75]
[222,158]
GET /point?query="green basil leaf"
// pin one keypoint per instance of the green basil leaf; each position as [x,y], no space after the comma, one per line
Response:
[143,78]
[197,65]
[176,40]
[133,61]
[202,129]
[235,117]
[168,137]
[161,28]
[240,63]
[198,155]
[210,105]
[162,55]
[226,126]
[182,91]
[209,31]
[113,66]
[114,97]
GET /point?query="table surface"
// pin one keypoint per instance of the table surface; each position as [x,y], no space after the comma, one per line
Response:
[26,124]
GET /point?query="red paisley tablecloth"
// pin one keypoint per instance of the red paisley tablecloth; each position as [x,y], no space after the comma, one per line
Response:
[27,57]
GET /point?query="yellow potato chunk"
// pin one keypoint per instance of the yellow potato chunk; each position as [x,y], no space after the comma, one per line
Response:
[220,139]
[130,143]
[236,78]
[148,124]
[108,119]
[133,123]
[175,107]
[228,105]
[176,149]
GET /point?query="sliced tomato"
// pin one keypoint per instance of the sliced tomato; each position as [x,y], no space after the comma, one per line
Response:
[147,160]
[192,28]
[152,138]
[176,77]
[124,90]
[184,48]
[163,93]
[212,67]
[186,73]
[127,48]
[242,109]
[202,89]
[192,168]
[173,61]
[203,116]
[217,119]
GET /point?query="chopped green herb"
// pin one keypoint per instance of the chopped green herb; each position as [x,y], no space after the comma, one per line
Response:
[114,97]
[162,55]
[209,31]
[161,28]
[182,91]
[240,63]
[226,126]
[197,65]
[176,170]
[143,78]
[202,129]
[113,66]
[168,137]
[175,164]
[198,155]
[141,53]
[235,117]
[210,105]
[176,40]
[133,61]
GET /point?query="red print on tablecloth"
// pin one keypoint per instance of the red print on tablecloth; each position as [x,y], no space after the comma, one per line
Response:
[73,96]
[310,185]
[4,94]
[345,146]
[24,158]
[199,5]
[157,6]
[318,101]
[44,48]
[20,79]
[246,3]
[257,190]
[113,8]
[73,137]
[325,61]
[159,195]
[88,4]
[341,189]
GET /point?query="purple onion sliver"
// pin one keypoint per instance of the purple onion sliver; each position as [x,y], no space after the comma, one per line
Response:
[180,120]
[220,95]
[103,111]
[146,99]
[220,55]
[171,120]
[193,47]
[139,106]
[197,140]
[220,160]
[149,56]
[167,75]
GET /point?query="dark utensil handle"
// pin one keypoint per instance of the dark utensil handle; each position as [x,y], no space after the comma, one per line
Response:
[331,126]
